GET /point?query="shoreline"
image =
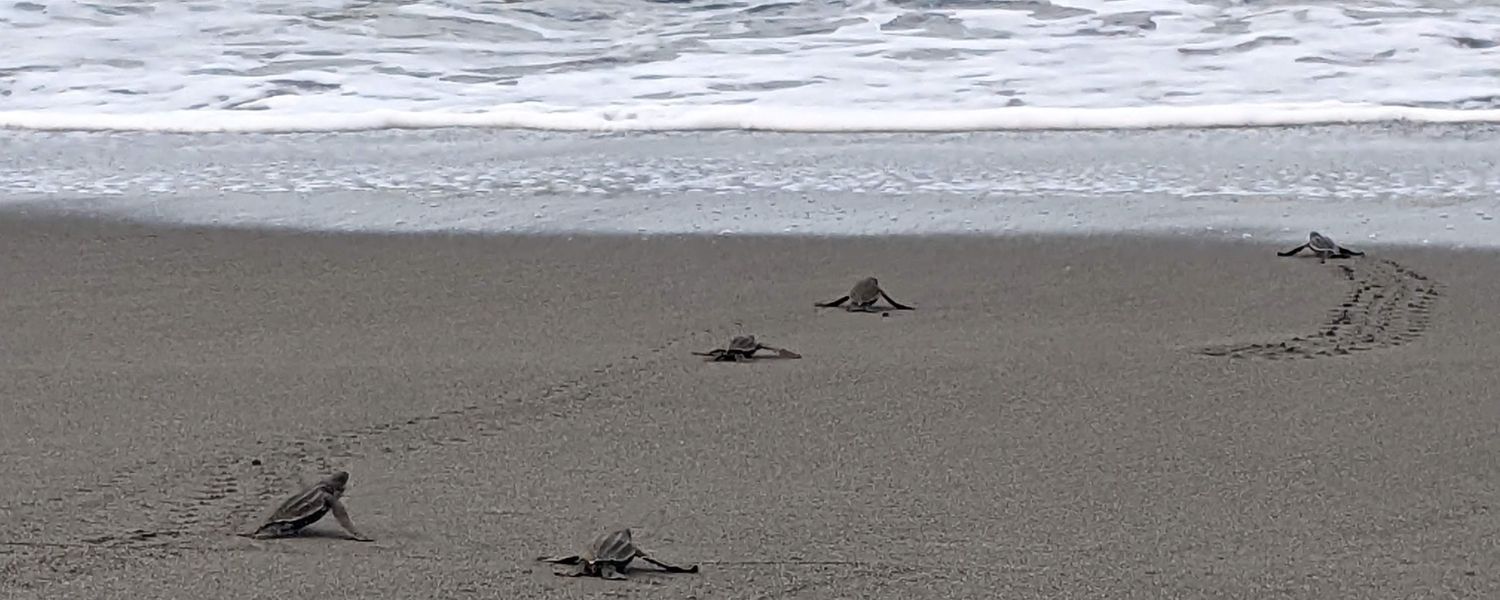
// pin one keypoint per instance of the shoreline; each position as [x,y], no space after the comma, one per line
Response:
[53,216]
[1401,185]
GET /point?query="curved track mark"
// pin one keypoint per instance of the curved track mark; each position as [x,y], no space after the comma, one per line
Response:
[1387,305]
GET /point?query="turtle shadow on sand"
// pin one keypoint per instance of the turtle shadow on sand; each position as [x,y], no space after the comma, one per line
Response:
[742,348]
[862,298]
[609,557]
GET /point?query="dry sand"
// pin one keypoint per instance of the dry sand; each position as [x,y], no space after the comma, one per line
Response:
[1044,425]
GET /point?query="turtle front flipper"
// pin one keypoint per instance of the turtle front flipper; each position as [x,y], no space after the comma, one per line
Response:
[571,559]
[342,516]
[1293,251]
[832,303]
[894,304]
[666,567]
[780,352]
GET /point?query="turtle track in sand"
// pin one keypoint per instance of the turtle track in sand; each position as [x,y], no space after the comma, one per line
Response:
[90,503]
[1387,305]
[227,491]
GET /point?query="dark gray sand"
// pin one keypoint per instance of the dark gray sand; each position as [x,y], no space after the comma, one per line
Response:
[1046,424]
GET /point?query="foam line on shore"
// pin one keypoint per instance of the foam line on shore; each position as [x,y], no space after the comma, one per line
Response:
[750,118]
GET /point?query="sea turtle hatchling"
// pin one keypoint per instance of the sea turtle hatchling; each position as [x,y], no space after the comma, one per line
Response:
[742,348]
[1324,247]
[306,507]
[609,557]
[863,296]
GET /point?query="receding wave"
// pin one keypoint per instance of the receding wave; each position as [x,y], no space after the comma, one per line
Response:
[753,118]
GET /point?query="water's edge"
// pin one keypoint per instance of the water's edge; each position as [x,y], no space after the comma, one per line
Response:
[1364,185]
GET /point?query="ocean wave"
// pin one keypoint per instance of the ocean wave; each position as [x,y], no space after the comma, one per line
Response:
[855,65]
[753,118]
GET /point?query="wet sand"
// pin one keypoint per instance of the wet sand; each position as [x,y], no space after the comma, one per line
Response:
[1103,417]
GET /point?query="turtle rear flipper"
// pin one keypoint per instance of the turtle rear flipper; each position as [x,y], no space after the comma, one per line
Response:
[1345,252]
[268,531]
[571,559]
[610,571]
[265,532]
[582,570]
[832,303]
[276,529]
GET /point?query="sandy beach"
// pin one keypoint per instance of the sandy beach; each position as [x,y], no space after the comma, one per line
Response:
[1061,417]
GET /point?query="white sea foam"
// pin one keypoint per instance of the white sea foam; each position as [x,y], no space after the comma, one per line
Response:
[805,120]
[816,65]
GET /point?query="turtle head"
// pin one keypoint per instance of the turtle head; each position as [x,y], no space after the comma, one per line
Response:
[336,482]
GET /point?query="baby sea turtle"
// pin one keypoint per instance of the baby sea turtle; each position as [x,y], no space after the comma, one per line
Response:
[307,507]
[1324,247]
[609,557]
[744,347]
[863,297]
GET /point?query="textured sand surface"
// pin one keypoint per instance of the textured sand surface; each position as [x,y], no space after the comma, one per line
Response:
[1059,418]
